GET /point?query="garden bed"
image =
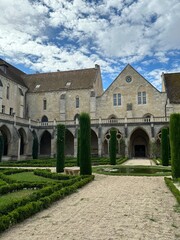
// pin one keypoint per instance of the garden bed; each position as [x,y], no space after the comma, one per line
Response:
[69,162]
[26,192]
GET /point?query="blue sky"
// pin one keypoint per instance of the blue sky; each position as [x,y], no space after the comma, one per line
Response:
[51,35]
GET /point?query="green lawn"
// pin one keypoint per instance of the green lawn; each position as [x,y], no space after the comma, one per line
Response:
[11,197]
[30,177]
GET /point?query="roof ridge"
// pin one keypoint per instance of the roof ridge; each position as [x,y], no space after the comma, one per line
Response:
[57,72]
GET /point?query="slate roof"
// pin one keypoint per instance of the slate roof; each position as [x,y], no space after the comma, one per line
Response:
[55,81]
[12,73]
[172,86]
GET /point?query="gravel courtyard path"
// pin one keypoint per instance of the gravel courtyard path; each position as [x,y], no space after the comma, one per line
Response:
[109,208]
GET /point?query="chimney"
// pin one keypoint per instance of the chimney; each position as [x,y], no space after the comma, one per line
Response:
[3,66]
[97,66]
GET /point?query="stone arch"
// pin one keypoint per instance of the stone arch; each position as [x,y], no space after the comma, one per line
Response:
[6,137]
[119,137]
[23,140]
[141,88]
[147,117]
[76,118]
[112,116]
[69,143]
[139,143]
[157,143]
[44,118]
[45,143]
[94,143]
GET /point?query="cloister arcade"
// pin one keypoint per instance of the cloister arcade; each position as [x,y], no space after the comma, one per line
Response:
[132,140]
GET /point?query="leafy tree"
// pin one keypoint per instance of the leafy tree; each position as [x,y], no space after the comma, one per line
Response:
[60,148]
[85,144]
[175,144]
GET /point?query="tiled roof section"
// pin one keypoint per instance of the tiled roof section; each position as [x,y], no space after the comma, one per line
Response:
[12,73]
[55,81]
[172,85]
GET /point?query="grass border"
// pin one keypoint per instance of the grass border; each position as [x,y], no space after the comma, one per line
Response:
[173,188]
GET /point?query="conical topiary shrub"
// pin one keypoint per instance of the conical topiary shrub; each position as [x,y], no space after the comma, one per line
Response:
[60,148]
[85,144]
[175,144]
[35,148]
[112,146]
[78,148]
[165,147]
[1,147]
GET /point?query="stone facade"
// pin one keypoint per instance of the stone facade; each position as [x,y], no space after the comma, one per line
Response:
[39,102]
[129,106]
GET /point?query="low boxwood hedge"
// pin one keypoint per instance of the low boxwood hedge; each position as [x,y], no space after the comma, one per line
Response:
[45,195]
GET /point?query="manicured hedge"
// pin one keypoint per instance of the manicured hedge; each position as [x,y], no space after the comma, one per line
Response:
[35,148]
[165,147]
[48,174]
[21,209]
[175,144]
[60,148]
[112,147]
[1,147]
[85,144]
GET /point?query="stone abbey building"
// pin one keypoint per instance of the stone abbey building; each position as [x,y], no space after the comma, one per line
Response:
[33,104]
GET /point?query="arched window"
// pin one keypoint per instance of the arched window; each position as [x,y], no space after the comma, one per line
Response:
[147,117]
[44,121]
[77,101]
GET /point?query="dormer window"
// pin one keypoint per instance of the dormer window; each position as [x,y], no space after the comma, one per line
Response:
[21,92]
[3,67]
[68,84]
[37,86]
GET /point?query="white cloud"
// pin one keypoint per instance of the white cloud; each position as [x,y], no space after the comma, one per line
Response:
[60,34]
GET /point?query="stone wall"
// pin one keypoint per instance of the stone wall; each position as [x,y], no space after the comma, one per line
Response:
[155,100]
[16,99]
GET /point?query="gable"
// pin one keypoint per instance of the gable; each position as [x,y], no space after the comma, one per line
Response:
[130,78]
